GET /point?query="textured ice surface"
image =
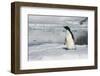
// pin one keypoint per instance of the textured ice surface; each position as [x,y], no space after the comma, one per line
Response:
[56,52]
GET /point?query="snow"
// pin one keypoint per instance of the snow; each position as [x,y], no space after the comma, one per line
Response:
[56,52]
[47,43]
[44,33]
[46,38]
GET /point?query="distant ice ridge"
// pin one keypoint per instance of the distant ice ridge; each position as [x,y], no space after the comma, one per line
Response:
[56,52]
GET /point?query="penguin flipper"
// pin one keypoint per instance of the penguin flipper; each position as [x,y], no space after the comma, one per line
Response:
[65,41]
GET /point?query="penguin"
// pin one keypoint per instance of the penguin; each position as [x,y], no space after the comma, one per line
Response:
[69,39]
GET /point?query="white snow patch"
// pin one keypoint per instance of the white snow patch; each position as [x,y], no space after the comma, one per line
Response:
[56,52]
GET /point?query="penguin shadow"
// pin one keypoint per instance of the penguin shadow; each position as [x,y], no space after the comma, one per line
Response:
[69,49]
[65,48]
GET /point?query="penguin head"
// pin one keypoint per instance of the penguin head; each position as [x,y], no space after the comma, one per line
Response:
[66,27]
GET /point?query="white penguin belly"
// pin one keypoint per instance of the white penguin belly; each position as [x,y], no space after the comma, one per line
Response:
[69,41]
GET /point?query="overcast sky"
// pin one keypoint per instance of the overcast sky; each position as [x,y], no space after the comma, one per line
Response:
[43,19]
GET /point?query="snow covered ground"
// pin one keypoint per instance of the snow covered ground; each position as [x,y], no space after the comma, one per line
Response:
[56,52]
[47,43]
[47,34]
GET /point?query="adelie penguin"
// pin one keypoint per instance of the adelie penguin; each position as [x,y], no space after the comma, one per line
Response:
[69,39]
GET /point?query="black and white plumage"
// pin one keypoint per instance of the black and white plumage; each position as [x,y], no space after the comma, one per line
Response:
[69,39]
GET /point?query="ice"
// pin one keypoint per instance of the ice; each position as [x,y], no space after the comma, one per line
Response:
[47,43]
[47,34]
[56,52]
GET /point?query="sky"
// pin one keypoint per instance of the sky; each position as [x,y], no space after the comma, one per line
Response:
[59,20]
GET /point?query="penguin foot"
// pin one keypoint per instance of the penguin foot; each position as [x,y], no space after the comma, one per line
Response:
[66,48]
